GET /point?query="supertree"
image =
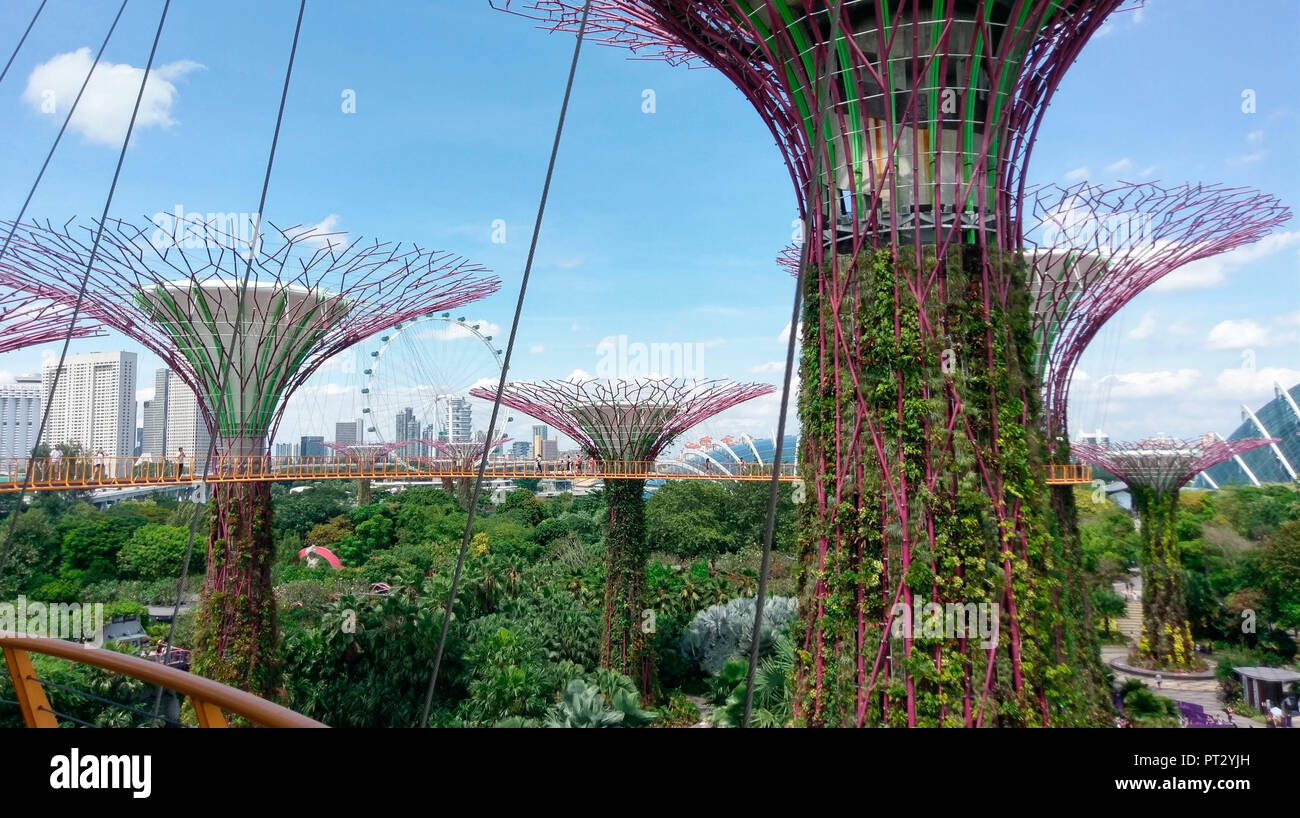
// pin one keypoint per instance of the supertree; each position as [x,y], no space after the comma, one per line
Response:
[27,320]
[1092,249]
[1154,470]
[242,323]
[364,456]
[466,452]
[624,425]
[907,128]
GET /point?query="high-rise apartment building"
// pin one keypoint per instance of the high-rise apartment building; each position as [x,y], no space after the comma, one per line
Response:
[154,442]
[94,404]
[459,421]
[347,432]
[20,415]
[186,428]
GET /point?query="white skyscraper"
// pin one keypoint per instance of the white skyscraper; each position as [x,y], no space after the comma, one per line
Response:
[20,415]
[185,426]
[459,421]
[153,441]
[94,405]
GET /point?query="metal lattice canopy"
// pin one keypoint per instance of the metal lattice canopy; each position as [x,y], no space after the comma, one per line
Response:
[624,420]
[464,449]
[1093,248]
[361,451]
[245,350]
[28,319]
[894,117]
[1163,464]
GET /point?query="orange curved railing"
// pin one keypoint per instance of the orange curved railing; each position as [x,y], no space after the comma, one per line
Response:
[211,700]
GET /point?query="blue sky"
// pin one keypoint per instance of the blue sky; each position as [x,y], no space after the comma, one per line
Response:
[660,226]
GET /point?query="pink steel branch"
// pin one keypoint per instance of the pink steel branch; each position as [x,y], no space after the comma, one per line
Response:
[623,420]
[1094,248]
[28,320]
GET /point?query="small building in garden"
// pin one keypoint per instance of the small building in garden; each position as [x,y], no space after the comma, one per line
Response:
[1259,684]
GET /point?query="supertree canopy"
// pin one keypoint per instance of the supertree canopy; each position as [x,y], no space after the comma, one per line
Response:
[907,127]
[465,449]
[1093,248]
[1155,469]
[625,425]
[27,320]
[243,324]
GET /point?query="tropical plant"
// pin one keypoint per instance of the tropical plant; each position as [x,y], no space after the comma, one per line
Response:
[721,632]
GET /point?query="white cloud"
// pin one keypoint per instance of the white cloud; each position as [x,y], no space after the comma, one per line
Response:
[324,233]
[1105,30]
[1078,174]
[104,111]
[1237,335]
[1121,166]
[1139,15]
[770,366]
[1147,171]
[536,349]
[1145,328]
[785,332]
[1151,384]
[1255,137]
[1213,271]
[578,375]
[570,263]
[1243,159]
[1243,382]
[141,395]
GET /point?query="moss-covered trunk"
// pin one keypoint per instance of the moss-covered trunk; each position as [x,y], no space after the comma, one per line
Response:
[920,418]
[236,641]
[1166,632]
[625,644]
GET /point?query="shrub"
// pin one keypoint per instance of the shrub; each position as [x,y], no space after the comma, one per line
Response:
[721,632]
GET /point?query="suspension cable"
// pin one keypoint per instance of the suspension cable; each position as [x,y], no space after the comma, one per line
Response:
[90,262]
[505,368]
[239,322]
[22,40]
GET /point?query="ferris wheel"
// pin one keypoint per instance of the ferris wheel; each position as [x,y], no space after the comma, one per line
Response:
[417,370]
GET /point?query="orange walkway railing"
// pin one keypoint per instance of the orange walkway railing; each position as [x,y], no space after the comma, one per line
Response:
[211,700]
[1068,474]
[82,473]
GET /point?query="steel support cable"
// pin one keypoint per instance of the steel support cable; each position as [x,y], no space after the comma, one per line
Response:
[22,40]
[90,262]
[505,368]
[225,375]
[769,526]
